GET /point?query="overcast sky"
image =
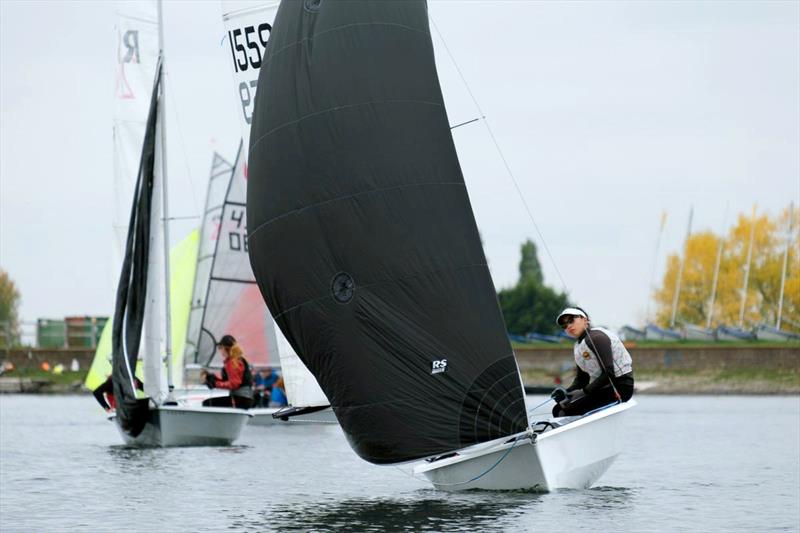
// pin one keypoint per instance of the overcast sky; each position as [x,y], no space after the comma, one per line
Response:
[608,113]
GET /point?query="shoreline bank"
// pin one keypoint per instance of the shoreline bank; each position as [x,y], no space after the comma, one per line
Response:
[664,385]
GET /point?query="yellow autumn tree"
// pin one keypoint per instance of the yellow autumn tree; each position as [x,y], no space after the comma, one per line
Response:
[770,237]
[695,290]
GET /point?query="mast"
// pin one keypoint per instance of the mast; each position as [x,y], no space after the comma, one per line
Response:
[785,261]
[747,267]
[655,262]
[716,273]
[165,200]
[676,297]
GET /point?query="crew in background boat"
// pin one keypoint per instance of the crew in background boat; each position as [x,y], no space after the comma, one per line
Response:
[278,395]
[236,377]
[604,373]
[263,382]
[104,394]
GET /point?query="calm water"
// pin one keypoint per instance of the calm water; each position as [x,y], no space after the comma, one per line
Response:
[692,464]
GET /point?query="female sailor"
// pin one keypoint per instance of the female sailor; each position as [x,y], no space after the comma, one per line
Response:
[604,373]
[236,377]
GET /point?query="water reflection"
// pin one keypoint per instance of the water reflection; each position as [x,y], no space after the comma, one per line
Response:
[424,510]
[129,459]
[606,498]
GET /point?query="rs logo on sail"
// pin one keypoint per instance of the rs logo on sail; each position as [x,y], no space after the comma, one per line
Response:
[437,367]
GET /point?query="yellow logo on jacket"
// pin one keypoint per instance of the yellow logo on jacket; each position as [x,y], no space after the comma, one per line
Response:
[586,355]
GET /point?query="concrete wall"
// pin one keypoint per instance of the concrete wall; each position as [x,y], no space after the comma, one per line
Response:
[550,359]
[33,357]
[673,357]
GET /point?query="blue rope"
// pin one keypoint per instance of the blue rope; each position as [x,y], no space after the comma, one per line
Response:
[532,409]
[487,471]
[601,408]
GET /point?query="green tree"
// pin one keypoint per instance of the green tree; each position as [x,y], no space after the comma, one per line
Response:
[529,267]
[9,306]
[530,305]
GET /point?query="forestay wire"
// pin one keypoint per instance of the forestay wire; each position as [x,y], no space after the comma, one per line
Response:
[499,151]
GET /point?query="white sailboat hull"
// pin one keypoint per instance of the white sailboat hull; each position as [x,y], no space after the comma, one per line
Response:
[173,425]
[572,456]
[262,416]
[773,334]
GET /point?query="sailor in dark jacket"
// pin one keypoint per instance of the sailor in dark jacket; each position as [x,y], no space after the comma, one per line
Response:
[604,369]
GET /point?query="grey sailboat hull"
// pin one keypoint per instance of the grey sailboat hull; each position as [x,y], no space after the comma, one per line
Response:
[771,334]
[172,425]
[262,416]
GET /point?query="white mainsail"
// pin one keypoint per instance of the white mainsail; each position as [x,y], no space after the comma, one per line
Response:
[136,59]
[215,196]
[248,26]
[226,298]
[136,62]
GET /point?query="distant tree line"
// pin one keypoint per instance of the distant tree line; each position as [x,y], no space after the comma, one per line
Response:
[770,238]
[530,305]
[9,311]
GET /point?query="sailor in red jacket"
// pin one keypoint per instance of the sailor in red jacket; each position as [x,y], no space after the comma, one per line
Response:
[236,376]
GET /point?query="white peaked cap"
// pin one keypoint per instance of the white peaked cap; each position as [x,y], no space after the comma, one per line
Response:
[570,311]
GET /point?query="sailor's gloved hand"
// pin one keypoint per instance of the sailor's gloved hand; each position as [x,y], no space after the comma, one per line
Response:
[211,381]
[575,395]
[558,394]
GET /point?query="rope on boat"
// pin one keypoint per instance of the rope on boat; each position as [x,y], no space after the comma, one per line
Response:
[604,407]
[476,478]
[500,460]
[532,409]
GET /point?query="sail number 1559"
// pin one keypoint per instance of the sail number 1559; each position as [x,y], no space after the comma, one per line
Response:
[247,46]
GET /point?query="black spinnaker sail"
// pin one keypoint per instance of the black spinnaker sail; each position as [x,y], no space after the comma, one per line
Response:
[132,289]
[381,284]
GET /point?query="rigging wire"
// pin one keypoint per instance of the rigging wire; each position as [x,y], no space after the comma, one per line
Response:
[500,152]
[532,409]
[176,114]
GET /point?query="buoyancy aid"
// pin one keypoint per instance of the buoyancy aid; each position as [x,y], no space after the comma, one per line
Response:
[238,379]
[587,359]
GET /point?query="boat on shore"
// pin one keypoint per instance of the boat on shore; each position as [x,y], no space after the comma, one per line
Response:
[769,333]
